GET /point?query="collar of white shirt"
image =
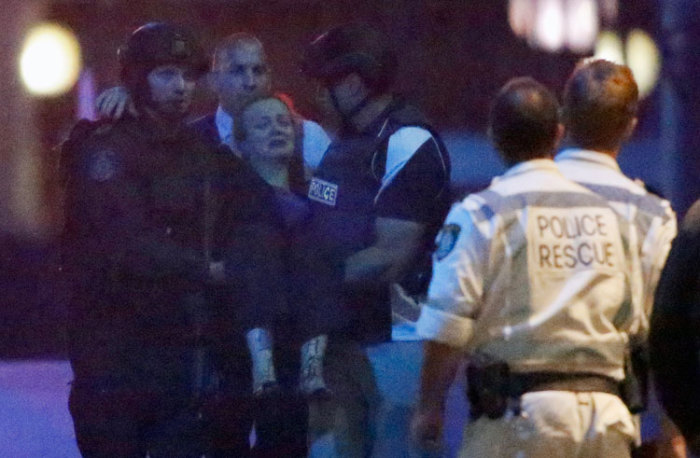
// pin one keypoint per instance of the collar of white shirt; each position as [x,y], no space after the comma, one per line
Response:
[224,125]
[541,164]
[594,157]
[532,164]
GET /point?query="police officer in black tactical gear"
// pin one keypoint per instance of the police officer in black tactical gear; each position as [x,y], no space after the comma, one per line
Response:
[378,196]
[172,261]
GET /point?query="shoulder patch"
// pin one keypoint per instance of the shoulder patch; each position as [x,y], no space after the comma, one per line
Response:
[103,165]
[446,240]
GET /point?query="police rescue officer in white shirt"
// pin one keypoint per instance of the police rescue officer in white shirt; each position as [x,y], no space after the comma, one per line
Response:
[532,279]
[240,72]
[600,113]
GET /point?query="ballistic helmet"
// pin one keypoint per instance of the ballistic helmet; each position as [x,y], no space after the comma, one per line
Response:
[351,48]
[155,44]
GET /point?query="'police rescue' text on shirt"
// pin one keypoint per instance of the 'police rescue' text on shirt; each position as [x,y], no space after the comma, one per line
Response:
[575,239]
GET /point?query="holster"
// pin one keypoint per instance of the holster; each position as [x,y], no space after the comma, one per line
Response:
[492,388]
[634,389]
[488,386]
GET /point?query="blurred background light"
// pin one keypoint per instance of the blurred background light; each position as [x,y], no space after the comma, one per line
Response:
[555,25]
[639,52]
[549,25]
[50,60]
[521,17]
[582,24]
[609,47]
[644,59]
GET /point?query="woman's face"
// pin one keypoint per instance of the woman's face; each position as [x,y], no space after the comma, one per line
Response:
[269,129]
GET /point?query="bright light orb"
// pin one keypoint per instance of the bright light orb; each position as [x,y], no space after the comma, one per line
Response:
[521,17]
[644,59]
[581,25]
[609,47]
[50,60]
[549,25]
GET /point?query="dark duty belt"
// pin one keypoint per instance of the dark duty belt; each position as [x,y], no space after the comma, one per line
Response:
[558,381]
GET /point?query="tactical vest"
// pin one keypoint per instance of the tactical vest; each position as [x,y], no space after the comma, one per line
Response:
[343,193]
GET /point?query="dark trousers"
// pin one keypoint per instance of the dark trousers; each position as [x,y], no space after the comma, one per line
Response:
[136,401]
[280,419]
[281,426]
[126,421]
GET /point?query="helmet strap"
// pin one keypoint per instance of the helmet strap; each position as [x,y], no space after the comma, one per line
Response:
[357,108]
[347,117]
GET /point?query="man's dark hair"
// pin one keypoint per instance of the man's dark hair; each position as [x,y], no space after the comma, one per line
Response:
[524,120]
[600,100]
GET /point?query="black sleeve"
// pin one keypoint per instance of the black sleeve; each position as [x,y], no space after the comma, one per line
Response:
[316,285]
[674,337]
[415,192]
[251,246]
[70,148]
[111,210]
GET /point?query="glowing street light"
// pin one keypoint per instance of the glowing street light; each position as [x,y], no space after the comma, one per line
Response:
[50,60]
[553,25]
[581,25]
[639,52]
[644,59]
[609,47]
[549,30]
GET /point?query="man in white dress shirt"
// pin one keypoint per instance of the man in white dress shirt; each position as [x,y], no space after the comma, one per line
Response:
[240,71]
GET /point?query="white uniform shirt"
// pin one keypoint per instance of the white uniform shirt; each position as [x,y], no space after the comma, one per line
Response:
[535,271]
[316,141]
[651,216]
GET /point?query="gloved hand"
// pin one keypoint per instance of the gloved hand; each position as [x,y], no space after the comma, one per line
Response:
[311,382]
[260,347]
[113,102]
